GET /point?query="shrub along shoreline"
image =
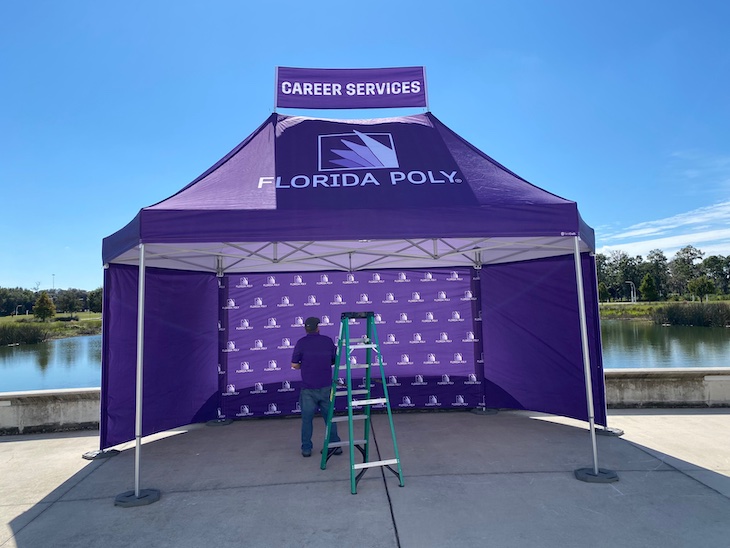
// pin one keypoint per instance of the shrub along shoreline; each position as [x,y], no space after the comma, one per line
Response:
[713,314]
[26,331]
[716,314]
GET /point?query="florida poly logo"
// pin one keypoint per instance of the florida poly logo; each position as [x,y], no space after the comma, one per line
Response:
[406,402]
[297,280]
[273,409]
[230,390]
[285,343]
[230,305]
[338,300]
[459,401]
[244,368]
[376,279]
[405,359]
[258,302]
[356,150]
[271,323]
[230,347]
[379,319]
[433,401]
[456,317]
[285,387]
[402,277]
[285,302]
[245,325]
[403,318]
[311,301]
[258,344]
[258,388]
[458,358]
[324,279]
[391,339]
[418,381]
[431,359]
[271,282]
[393,381]
[390,299]
[415,297]
[273,366]
[244,412]
[243,282]
[445,380]
[443,338]
[472,379]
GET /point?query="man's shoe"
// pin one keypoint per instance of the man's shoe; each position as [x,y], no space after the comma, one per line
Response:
[306,453]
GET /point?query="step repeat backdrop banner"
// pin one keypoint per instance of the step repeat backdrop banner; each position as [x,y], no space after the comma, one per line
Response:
[428,323]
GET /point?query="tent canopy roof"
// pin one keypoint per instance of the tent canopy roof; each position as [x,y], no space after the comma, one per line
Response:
[313,194]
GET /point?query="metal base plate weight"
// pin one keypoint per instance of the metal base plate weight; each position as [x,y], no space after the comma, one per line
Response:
[128,499]
[603,476]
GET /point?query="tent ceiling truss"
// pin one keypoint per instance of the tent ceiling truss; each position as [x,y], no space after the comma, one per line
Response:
[246,257]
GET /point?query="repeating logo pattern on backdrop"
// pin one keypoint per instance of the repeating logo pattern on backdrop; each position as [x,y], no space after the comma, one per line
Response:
[428,327]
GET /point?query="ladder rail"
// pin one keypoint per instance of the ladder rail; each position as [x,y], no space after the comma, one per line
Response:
[345,345]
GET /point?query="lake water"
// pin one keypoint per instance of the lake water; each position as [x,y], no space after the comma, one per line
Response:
[60,363]
[628,344]
[76,362]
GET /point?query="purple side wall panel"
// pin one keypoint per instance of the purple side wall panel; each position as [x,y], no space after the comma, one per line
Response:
[180,380]
[532,345]
[437,329]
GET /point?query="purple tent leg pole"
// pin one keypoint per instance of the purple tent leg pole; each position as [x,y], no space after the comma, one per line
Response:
[595,474]
[139,497]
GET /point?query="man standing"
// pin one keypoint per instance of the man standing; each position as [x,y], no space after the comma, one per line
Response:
[314,355]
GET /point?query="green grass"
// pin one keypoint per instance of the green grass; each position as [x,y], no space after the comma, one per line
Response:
[713,314]
[26,329]
[628,311]
[81,316]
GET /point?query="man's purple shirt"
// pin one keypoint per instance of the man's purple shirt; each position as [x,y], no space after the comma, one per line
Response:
[316,353]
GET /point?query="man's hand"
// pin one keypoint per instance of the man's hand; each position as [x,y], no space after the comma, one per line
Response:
[296,365]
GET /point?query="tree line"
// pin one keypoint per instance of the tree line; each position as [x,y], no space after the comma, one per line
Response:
[688,276]
[48,302]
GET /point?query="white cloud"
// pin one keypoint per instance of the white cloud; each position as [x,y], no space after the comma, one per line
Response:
[706,228]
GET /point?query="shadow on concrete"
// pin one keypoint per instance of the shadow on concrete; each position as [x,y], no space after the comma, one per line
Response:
[494,480]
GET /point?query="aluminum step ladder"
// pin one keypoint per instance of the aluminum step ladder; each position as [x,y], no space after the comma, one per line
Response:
[359,402]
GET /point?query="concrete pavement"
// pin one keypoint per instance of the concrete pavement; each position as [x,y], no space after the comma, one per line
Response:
[499,480]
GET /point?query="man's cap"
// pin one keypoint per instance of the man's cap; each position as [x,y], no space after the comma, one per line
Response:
[311,324]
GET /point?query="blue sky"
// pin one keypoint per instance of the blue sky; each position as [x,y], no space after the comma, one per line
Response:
[106,108]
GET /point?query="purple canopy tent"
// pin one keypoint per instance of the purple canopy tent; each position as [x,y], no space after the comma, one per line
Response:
[304,195]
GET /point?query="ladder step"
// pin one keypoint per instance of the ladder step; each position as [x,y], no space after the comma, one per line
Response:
[372,401]
[345,443]
[344,418]
[375,463]
[363,345]
[358,366]
[354,392]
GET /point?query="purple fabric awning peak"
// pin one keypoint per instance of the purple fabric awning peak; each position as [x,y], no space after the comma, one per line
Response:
[299,178]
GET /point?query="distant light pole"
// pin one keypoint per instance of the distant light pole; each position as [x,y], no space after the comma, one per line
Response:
[633,291]
[16,309]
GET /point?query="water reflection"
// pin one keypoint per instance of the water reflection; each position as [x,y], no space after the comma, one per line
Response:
[43,356]
[62,363]
[629,344]
[76,362]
